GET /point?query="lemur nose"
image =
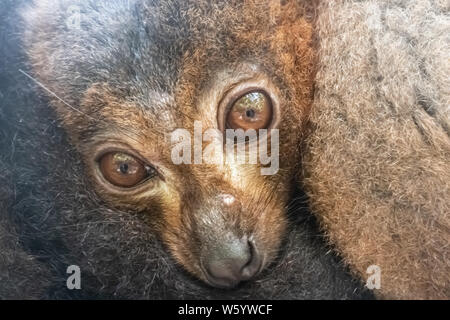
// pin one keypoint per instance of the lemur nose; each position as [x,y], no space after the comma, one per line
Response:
[232,262]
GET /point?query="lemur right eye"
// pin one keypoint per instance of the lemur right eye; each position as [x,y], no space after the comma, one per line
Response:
[252,104]
[124,170]
[252,110]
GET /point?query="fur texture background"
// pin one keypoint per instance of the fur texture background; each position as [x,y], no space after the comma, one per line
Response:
[377,164]
[50,219]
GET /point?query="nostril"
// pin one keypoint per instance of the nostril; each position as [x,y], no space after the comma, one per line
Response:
[232,262]
[254,263]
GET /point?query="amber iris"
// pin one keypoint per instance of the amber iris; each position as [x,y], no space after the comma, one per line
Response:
[123,170]
[253,110]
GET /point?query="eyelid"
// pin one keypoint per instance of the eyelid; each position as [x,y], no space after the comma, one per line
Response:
[138,158]
[128,151]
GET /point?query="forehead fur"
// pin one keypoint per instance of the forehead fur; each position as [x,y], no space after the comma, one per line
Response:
[140,47]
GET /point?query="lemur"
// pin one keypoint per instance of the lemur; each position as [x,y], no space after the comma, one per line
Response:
[372,155]
[87,164]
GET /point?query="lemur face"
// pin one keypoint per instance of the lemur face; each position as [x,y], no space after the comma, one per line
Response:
[136,71]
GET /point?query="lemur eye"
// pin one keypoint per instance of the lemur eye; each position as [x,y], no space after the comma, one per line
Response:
[252,110]
[124,170]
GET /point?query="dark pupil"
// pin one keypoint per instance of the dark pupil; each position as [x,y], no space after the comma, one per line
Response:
[250,113]
[123,168]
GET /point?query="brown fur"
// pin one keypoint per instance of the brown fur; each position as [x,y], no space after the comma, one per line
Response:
[377,161]
[206,65]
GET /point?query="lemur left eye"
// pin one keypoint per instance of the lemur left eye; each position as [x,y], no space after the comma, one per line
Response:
[124,170]
[252,110]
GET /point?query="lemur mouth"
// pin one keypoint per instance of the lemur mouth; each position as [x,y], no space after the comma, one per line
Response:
[232,263]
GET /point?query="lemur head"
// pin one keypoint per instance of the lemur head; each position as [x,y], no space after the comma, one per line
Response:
[124,75]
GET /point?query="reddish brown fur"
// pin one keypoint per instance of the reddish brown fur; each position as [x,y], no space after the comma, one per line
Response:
[279,38]
[377,160]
